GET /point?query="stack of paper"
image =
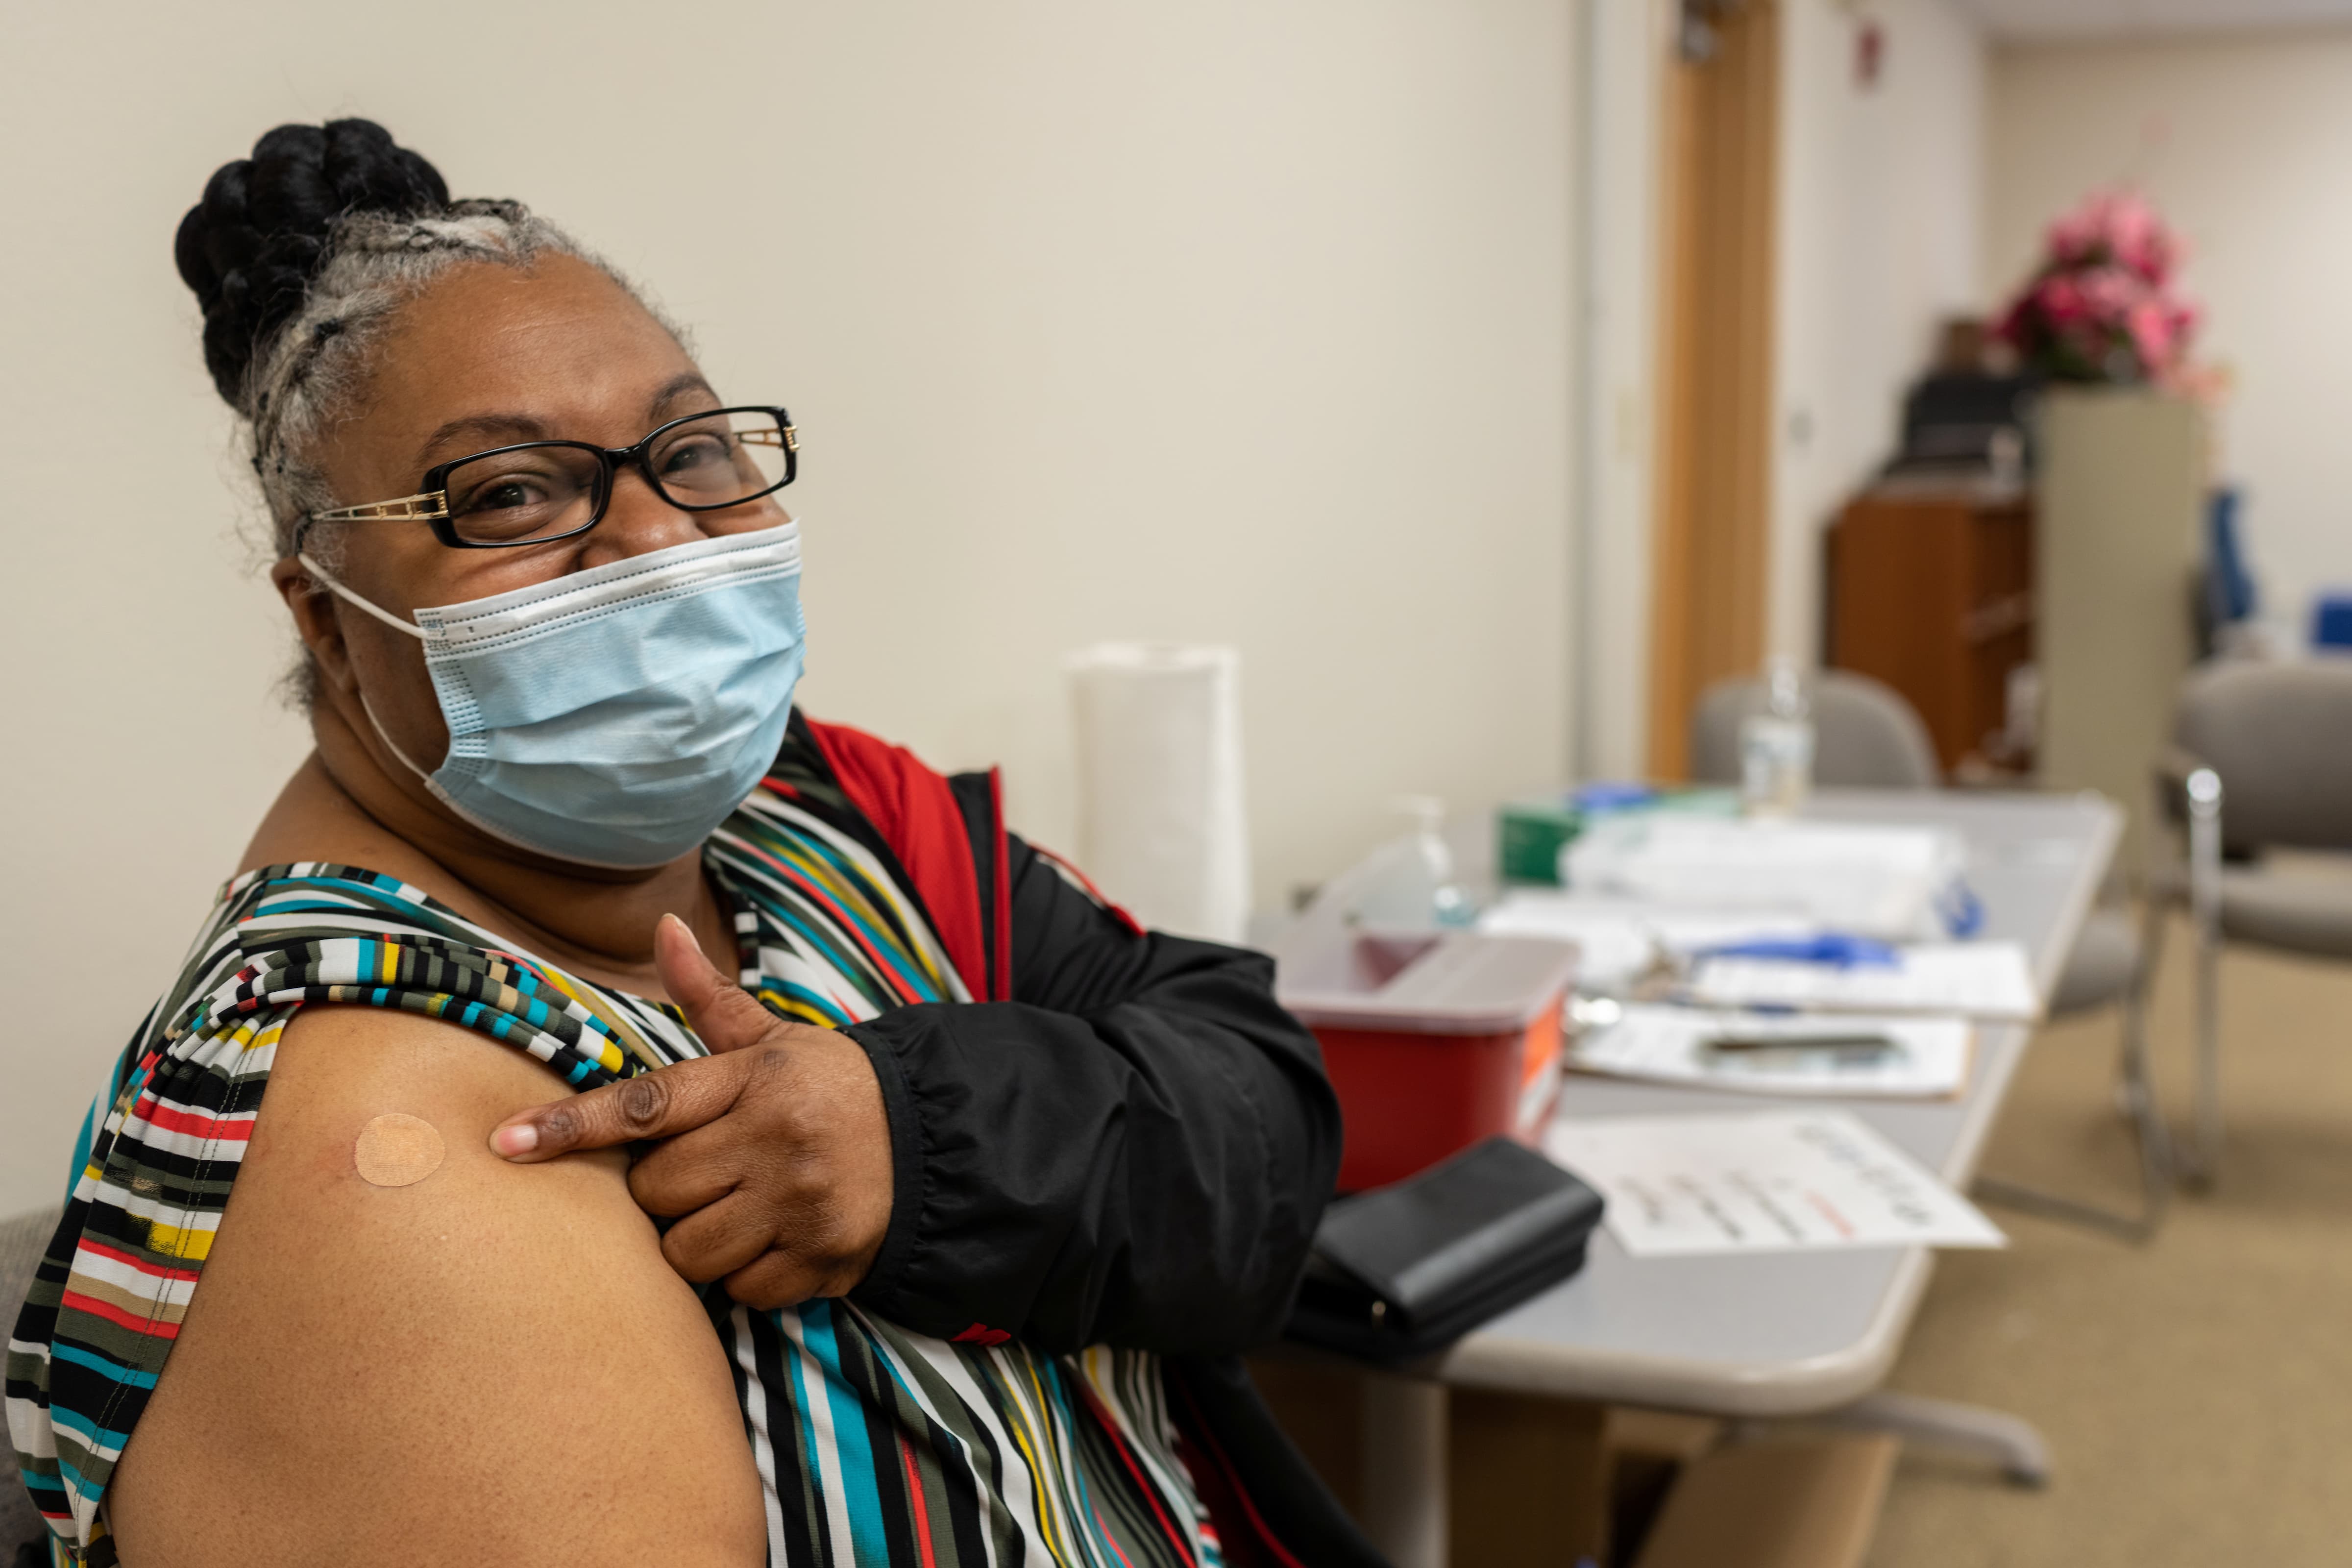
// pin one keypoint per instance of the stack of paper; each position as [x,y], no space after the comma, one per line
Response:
[1926,1058]
[1875,880]
[1620,939]
[1974,979]
[1681,1186]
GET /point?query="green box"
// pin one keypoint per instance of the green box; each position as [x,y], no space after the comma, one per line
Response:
[1531,836]
[1531,833]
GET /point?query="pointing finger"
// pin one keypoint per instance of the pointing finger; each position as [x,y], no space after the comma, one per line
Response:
[657,1104]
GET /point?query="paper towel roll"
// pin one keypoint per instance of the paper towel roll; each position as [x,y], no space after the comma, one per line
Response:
[1162,828]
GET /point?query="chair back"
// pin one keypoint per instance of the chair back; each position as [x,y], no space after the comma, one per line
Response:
[1866,736]
[2280,734]
[23,1238]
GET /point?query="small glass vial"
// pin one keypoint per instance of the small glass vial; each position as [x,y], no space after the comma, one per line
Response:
[1775,746]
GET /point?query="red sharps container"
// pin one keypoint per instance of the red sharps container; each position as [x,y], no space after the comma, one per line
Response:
[1433,1039]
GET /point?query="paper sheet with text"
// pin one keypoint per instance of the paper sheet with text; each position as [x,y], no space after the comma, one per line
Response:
[1621,940]
[1681,1186]
[1928,1058]
[1973,979]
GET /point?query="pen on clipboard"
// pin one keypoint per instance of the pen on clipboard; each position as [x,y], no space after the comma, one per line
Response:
[1841,1049]
[1800,1042]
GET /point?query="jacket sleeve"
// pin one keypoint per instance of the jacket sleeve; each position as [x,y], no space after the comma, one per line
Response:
[1133,1151]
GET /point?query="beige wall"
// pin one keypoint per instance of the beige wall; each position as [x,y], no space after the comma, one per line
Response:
[1227,322]
[2245,142]
[1880,206]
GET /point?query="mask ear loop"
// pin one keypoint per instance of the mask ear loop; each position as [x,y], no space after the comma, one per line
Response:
[388,619]
[381,614]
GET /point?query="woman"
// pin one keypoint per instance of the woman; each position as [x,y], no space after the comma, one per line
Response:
[958,1183]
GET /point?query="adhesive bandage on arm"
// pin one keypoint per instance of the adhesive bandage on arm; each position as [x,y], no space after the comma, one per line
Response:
[396,1149]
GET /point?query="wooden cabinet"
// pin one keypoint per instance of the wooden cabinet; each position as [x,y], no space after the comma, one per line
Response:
[1930,589]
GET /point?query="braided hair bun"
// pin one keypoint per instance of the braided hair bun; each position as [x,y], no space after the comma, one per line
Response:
[251,246]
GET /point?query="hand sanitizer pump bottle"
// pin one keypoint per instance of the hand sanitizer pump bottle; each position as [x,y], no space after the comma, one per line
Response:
[1775,746]
[1410,882]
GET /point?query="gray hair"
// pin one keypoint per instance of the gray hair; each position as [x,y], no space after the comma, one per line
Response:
[303,380]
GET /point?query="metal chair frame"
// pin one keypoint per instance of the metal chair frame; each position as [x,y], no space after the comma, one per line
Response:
[2188,792]
[2189,795]
[2137,1089]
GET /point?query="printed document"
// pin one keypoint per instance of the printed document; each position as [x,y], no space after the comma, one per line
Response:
[1684,1186]
[1919,1059]
[1974,979]
[1620,941]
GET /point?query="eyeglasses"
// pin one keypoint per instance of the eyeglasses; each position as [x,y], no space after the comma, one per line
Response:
[536,491]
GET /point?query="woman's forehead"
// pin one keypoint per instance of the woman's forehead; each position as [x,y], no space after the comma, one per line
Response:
[558,343]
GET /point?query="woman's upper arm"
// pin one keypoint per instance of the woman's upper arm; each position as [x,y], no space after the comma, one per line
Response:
[1133,1152]
[490,1363]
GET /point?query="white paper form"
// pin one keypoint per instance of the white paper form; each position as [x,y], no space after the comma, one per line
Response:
[1671,1045]
[1620,939]
[1683,1186]
[1974,979]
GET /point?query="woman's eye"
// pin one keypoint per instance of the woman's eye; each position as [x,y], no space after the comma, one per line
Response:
[504,495]
[691,454]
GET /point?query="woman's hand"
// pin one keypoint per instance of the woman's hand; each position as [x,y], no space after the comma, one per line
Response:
[773,1152]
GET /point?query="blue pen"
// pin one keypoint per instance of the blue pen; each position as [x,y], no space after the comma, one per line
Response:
[1835,949]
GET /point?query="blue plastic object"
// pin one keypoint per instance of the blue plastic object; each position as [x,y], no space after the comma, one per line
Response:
[1835,949]
[2331,619]
[1600,797]
[2229,593]
[1960,909]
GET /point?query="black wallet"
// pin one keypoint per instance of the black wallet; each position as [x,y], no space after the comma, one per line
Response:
[1409,1268]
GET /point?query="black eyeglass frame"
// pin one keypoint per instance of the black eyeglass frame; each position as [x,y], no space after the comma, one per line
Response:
[431,503]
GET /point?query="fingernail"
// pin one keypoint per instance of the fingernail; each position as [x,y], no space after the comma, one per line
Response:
[519,1138]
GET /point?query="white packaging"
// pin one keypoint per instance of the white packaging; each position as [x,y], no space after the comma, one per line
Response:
[1863,879]
[1162,822]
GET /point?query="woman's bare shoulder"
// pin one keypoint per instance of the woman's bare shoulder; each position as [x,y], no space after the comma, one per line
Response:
[404,1349]
[313,819]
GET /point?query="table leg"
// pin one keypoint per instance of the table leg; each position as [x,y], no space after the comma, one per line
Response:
[2008,1440]
[1404,1469]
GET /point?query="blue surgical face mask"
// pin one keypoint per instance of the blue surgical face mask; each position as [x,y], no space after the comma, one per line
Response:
[615,715]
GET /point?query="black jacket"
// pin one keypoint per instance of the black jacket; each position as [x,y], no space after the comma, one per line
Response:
[1127,1142]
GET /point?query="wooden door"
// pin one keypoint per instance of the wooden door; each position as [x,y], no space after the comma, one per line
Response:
[1711,531]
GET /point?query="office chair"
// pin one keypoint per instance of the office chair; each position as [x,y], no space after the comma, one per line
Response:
[1866,736]
[2261,761]
[23,1238]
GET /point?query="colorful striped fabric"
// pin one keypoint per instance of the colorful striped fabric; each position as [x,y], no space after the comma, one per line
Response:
[876,1445]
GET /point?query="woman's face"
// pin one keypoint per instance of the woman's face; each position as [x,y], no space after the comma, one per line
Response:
[487,356]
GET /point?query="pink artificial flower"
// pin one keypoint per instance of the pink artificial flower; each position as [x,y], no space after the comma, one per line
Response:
[2071,237]
[2110,293]
[2060,299]
[2136,237]
[2151,335]
[2102,304]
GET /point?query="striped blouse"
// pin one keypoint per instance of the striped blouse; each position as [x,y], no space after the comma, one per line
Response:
[875,1445]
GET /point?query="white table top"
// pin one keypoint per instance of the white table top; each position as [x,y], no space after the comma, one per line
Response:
[1787,1334]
